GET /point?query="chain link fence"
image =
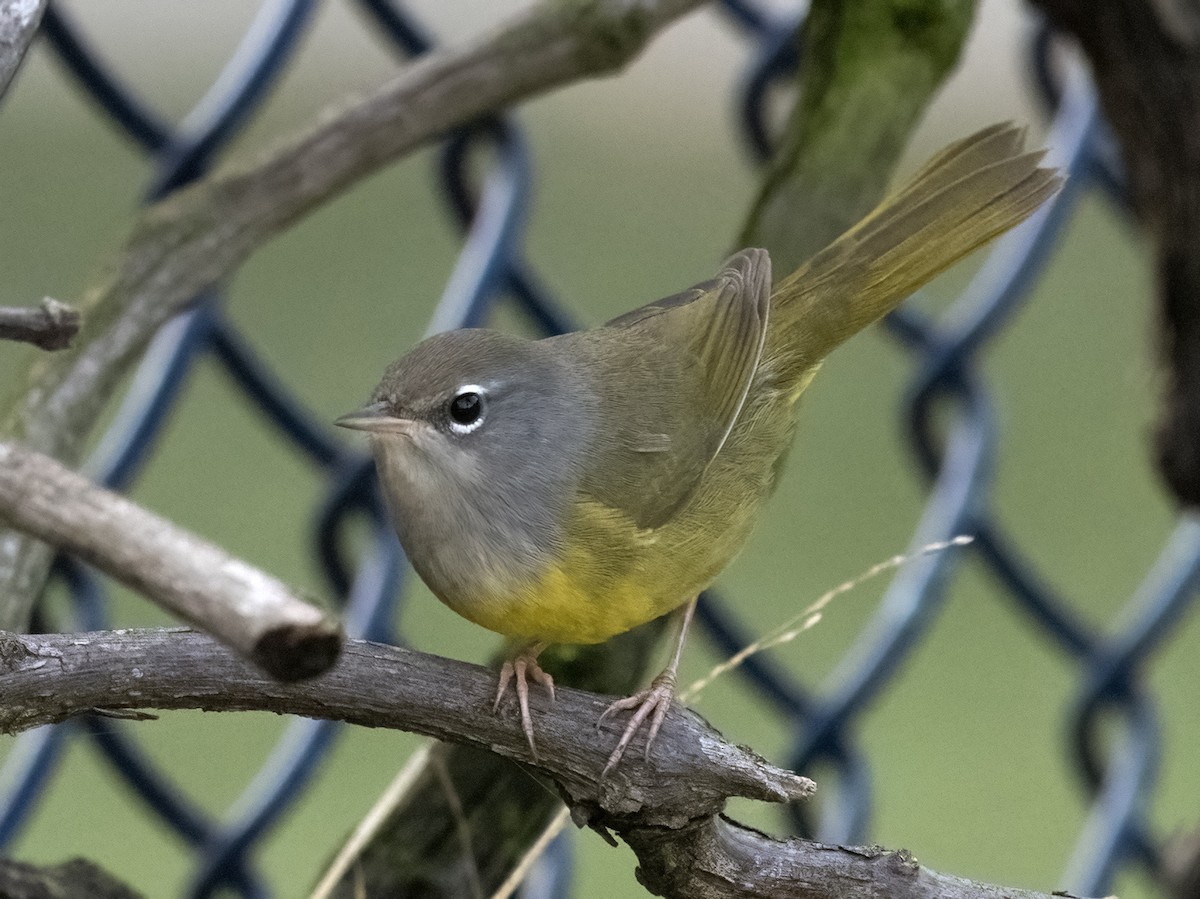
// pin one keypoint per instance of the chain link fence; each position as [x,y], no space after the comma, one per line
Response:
[1114,728]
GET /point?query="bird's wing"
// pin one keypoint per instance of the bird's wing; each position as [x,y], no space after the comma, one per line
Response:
[676,374]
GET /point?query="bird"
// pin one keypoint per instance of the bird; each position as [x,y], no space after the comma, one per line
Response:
[569,488]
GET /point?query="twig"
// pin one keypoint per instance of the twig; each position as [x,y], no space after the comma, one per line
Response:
[52,325]
[19,20]
[667,807]
[200,235]
[242,606]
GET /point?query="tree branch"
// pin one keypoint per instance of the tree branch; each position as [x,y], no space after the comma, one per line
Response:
[19,20]
[49,678]
[201,234]
[51,326]
[1145,60]
[717,858]
[199,582]
[667,807]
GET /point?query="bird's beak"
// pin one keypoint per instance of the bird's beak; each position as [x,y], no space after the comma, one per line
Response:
[375,418]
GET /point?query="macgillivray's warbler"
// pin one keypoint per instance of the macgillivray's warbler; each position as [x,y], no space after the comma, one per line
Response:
[568,489]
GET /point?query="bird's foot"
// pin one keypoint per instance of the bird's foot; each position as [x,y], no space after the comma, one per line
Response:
[651,703]
[520,669]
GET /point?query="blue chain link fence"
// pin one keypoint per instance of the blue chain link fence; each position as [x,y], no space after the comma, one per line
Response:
[952,432]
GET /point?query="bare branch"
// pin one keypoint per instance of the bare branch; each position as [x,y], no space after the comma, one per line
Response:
[49,678]
[19,20]
[52,325]
[200,235]
[666,807]
[1145,60]
[716,858]
[199,582]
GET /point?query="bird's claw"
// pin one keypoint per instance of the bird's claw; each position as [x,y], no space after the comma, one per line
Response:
[652,703]
[520,670]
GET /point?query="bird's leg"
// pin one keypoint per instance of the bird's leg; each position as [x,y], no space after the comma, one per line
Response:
[520,667]
[653,702]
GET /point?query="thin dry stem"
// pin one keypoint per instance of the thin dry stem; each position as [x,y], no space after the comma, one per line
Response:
[811,616]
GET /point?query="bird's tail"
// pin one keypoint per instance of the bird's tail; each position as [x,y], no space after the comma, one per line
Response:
[970,192]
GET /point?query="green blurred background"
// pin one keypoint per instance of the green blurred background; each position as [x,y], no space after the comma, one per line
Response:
[641,183]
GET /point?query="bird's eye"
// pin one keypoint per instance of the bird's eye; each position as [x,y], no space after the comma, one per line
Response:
[466,410]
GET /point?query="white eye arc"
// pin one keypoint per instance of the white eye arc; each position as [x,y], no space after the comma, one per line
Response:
[467,409]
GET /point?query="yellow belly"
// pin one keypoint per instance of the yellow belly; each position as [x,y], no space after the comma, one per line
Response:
[611,576]
[561,609]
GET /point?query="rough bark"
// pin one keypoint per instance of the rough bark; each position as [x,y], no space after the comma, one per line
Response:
[49,678]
